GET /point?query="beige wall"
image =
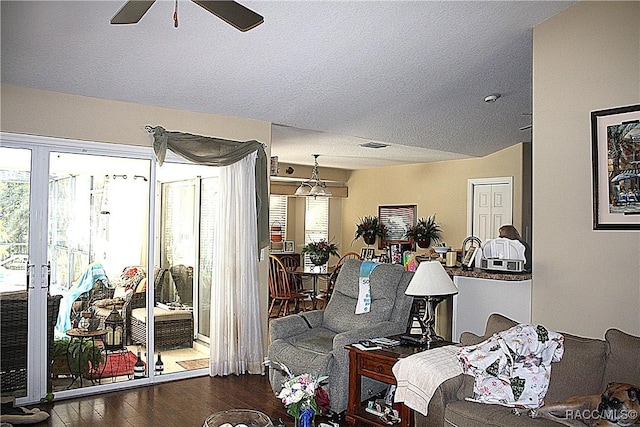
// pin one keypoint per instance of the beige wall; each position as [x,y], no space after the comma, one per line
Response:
[36,112]
[585,58]
[439,187]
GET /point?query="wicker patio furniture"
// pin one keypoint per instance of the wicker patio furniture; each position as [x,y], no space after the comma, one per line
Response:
[173,328]
[13,329]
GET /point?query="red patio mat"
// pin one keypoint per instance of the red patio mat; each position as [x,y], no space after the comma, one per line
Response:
[116,364]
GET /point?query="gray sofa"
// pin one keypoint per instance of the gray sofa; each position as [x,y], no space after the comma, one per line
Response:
[313,342]
[587,366]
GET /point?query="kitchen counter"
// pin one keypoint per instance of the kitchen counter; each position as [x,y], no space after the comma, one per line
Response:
[484,274]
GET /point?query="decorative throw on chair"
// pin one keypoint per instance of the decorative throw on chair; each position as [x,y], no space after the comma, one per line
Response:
[93,273]
[513,367]
[364,292]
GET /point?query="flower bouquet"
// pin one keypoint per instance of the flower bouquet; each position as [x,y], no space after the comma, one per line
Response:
[303,396]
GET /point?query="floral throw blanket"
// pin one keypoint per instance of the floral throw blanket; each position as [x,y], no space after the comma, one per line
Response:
[513,367]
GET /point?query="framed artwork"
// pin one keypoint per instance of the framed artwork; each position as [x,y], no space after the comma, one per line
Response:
[396,221]
[289,246]
[615,144]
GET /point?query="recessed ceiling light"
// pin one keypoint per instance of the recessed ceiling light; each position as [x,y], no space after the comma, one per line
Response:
[372,144]
[490,99]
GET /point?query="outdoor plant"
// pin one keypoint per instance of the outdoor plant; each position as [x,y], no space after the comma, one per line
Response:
[369,228]
[77,357]
[425,232]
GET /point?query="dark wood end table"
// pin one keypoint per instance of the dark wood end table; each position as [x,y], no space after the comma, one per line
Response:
[377,364]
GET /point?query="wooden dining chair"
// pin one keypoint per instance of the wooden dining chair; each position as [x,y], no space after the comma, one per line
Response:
[281,290]
[323,297]
[348,255]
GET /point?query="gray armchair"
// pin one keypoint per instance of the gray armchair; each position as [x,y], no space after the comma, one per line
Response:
[313,342]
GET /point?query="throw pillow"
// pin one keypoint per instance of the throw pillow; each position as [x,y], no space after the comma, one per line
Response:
[623,358]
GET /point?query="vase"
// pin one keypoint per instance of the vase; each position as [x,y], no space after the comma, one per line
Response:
[424,243]
[307,417]
[369,238]
[319,258]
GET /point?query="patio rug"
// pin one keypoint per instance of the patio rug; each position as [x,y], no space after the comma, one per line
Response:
[117,364]
[194,364]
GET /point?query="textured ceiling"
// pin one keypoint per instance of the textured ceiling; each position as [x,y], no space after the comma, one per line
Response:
[411,74]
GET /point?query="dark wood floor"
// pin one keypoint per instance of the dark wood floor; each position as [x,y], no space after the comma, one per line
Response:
[179,403]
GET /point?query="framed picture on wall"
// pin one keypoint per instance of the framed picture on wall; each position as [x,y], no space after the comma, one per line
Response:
[396,220]
[615,145]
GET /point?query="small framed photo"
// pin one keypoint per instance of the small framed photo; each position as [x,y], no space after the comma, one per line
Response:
[615,139]
[289,246]
[367,254]
[470,256]
[394,252]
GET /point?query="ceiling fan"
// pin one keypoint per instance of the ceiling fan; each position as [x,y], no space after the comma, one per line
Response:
[229,11]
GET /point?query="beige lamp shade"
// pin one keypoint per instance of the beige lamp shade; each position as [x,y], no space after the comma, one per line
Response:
[431,279]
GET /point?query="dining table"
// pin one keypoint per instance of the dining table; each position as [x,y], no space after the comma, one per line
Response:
[314,272]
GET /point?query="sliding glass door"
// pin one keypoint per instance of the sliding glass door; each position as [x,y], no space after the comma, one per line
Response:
[92,229]
[68,219]
[15,177]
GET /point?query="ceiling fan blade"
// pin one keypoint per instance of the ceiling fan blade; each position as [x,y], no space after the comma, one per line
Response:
[233,13]
[131,12]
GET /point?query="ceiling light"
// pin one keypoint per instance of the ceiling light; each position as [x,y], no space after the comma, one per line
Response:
[313,187]
[490,99]
[372,144]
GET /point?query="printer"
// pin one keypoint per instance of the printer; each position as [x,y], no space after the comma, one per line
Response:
[502,254]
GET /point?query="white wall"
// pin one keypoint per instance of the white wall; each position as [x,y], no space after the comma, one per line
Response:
[585,58]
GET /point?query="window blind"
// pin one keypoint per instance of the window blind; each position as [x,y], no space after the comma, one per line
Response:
[278,212]
[316,222]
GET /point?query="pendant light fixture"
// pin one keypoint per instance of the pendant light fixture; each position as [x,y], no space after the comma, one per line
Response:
[313,187]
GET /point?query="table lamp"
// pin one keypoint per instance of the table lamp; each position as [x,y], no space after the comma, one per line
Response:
[431,282]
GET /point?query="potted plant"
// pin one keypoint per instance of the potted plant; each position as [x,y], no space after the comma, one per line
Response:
[73,359]
[424,232]
[320,251]
[369,228]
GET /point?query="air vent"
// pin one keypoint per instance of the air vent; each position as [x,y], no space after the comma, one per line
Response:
[372,144]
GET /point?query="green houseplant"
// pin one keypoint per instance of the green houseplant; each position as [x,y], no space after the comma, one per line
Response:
[72,358]
[369,228]
[425,232]
[320,251]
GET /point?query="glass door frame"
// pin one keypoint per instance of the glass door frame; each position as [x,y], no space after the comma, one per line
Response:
[41,148]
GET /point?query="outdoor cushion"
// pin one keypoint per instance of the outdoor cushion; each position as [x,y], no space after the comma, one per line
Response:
[161,315]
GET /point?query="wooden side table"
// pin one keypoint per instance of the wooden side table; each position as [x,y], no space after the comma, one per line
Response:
[376,364]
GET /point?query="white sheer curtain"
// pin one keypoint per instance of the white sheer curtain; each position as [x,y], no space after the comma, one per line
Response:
[236,331]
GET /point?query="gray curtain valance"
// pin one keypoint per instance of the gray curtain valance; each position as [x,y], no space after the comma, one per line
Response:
[209,151]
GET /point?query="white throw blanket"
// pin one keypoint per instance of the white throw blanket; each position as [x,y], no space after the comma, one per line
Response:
[419,375]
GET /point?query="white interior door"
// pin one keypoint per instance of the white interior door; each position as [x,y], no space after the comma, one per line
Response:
[490,206]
